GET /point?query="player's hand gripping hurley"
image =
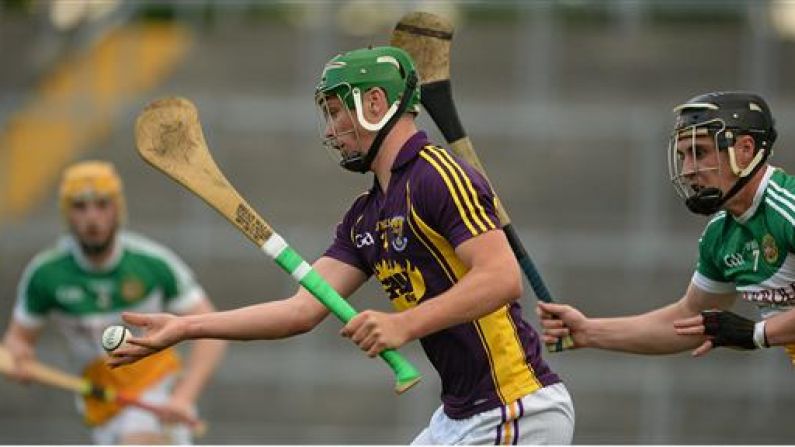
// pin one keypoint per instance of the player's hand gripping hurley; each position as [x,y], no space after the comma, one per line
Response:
[427,37]
[169,137]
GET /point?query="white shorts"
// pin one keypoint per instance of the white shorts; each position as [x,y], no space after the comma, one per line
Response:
[136,420]
[544,417]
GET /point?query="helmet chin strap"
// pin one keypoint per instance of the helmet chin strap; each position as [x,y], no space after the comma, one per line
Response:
[359,162]
[708,201]
[372,127]
[760,155]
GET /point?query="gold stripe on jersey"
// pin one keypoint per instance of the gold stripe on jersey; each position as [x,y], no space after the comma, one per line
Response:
[490,358]
[514,377]
[455,188]
[468,182]
[440,248]
[464,185]
[435,243]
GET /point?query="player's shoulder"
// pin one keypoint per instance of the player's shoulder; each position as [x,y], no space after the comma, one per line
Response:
[715,226]
[357,209]
[48,261]
[436,165]
[782,182]
[782,178]
[360,201]
[780,202]
[52,255]
[137,244]
[433,159]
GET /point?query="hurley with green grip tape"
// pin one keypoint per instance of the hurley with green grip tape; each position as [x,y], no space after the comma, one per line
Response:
[169,137]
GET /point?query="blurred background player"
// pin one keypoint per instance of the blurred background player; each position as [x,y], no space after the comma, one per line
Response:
[85,281]
[718,165]
[427,230]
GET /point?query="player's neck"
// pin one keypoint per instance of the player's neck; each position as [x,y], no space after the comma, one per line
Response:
[744,199]
[393,143]
[100,258]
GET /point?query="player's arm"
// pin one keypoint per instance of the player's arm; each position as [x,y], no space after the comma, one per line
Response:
[724,328]
[649,333]
[780,329]
[492,281]
[21,343]
[265,321]
[278,319]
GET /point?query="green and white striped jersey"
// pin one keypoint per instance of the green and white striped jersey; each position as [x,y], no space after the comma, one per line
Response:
[753,254]
[82,299]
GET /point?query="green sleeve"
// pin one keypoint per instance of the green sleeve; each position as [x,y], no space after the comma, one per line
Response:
[34,298]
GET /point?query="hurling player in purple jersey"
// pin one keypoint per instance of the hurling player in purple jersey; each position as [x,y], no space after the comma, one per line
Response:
[428,231]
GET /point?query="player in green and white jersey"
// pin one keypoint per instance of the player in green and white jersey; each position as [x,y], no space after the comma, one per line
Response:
[718,165]
[82,285]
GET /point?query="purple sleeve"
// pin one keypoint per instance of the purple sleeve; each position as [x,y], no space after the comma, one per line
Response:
[343,248]
[456,199]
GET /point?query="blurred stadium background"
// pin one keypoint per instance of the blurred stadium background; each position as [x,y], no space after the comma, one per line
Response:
[569,105]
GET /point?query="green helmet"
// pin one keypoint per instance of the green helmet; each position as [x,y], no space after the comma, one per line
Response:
[351,74]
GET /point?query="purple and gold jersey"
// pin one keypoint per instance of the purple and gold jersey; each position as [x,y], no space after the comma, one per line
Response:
[407,240]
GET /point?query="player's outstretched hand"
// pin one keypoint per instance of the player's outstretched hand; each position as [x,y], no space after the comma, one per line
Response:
[161,330]
[723,328]
[694,326]
[560,320]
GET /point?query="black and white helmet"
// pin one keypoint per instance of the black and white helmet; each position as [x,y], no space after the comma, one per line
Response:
[724,116]
[739,112]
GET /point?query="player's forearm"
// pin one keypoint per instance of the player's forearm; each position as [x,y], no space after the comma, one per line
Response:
[264,321]
[20,340]
[650,333]
[780,329]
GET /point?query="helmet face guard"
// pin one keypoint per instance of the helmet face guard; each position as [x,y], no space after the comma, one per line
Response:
[349,77]
[723,116]
[680,174]
[330,134]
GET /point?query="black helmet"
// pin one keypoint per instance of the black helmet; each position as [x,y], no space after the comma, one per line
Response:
[741,112]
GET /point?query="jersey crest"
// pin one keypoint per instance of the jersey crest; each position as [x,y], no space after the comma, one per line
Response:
[770,249]
[392,234]
[132,289]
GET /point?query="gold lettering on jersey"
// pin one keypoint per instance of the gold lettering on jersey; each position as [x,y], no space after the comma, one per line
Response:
[405,285]
[132,289]
[390,230]
[770,249]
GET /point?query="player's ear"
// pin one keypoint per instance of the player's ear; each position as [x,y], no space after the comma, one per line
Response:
[375,103]
[744,149]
